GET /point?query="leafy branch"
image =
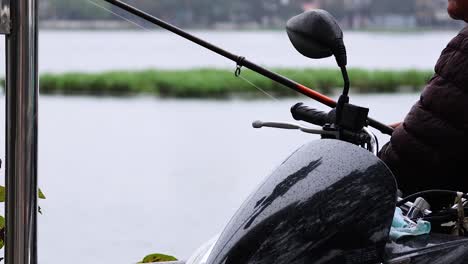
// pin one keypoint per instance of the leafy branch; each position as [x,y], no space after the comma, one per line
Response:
[157,258]
[2,219]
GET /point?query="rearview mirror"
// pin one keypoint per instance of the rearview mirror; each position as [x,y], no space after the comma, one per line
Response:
[316,34]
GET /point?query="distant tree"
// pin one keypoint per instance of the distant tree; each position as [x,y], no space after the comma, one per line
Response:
[206,13]
[72,9]
[404,7]
[335,7]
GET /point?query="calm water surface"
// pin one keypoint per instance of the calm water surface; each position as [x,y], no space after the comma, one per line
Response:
[89,51]
[127,177]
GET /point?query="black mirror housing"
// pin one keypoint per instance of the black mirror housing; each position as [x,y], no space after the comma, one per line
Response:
[316,34]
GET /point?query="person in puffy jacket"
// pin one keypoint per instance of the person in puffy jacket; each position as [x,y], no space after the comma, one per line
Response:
[429,150]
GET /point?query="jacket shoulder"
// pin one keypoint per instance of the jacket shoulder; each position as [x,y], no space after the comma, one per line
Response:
[453,62]
[464,31]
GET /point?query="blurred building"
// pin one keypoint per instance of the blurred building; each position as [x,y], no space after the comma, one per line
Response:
[250,14]
[433,13]
[310,5]
[357,13]
[386,14]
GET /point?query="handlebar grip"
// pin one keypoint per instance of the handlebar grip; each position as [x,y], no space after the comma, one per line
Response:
[304,113]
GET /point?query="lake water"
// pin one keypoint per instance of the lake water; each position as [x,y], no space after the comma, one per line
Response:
[91,51]
[127,177]
[131,176]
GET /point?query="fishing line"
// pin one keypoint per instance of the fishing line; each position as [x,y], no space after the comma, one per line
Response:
[251,83]
[246,63]
[238,70]
[115,14]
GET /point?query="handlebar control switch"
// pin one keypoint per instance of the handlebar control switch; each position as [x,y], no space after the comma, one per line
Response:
[354,117]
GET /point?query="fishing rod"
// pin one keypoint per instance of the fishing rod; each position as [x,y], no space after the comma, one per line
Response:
[243,62]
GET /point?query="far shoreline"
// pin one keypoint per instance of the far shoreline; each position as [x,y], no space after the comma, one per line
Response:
[208,83]
[115,25]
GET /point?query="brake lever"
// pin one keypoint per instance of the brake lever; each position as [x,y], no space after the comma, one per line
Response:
[292,126]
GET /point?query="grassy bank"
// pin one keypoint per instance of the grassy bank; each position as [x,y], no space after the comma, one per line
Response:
[212,83]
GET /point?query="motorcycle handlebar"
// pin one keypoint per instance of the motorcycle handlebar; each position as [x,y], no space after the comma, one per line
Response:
[301,112]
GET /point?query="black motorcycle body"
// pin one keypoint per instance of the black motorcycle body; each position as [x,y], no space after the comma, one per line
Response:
[428,249]
[329,202]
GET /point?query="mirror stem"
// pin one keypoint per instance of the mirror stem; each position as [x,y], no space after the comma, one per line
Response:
[344,99]
[344,72]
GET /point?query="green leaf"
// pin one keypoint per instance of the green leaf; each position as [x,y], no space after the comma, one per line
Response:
[2,222]
[157,258]
[2,231]
[41,194]
[2,194]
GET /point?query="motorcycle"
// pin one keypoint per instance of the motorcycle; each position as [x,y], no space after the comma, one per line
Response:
[333,200]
